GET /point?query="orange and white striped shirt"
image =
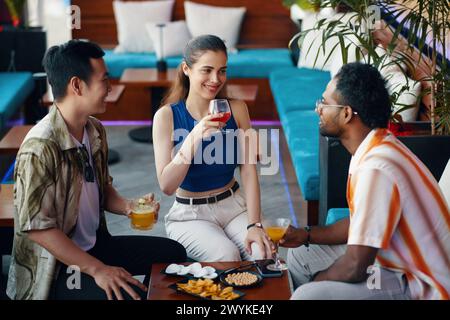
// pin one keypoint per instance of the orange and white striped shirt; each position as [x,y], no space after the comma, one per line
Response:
[396,205]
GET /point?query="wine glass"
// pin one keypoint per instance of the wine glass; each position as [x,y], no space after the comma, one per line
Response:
[276,228]
[220,106]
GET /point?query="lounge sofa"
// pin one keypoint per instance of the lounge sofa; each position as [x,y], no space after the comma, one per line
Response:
[15,87]
[248,63]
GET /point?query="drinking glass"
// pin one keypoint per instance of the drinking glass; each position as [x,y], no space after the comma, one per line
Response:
[143,213]
[276,228]
[220,106]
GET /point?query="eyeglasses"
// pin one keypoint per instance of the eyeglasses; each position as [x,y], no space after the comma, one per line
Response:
[83,157]
[320,105]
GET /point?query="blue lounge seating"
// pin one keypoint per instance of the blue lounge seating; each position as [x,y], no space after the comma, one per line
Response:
[295,91]
[14,90]
[249,63]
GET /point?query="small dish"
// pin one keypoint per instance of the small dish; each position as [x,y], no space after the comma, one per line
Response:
[243,277]
[178,270]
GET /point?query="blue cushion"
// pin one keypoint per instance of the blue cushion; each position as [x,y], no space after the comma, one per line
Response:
[295,91]
[257,63]
[118,62]
[302,134]
[336,214]
[297,88]
[14,89]
[252,63]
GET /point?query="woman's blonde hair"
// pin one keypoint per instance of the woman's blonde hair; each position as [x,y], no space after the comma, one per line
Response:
[194,49]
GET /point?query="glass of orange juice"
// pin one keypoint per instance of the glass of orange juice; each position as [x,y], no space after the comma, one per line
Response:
[143,213]
[276,228]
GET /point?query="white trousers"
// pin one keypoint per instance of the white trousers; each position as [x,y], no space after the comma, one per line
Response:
[212,232]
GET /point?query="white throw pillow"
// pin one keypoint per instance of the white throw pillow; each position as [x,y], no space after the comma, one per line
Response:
[175,37]
[131,17]
[395,82]
[311,46]
[223,22]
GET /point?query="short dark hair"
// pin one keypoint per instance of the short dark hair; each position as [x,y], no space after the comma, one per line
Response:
[68,60]
[362,87]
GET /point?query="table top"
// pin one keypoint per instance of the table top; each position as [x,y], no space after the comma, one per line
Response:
[6,205]
[112,98]
[11,142]
[270,288]
[148,77]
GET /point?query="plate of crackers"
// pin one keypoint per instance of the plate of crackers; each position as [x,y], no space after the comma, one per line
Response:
[206,289]
[241,279]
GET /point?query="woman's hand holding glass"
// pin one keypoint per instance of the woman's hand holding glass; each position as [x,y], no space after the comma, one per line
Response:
[259,236]
[208,126]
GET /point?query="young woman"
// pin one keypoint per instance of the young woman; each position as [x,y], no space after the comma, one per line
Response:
[210,216]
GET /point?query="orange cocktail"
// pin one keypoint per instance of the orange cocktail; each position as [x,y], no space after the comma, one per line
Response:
[143,215]
[276,233]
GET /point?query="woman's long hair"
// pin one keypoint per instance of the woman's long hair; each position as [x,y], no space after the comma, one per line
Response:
[192,52]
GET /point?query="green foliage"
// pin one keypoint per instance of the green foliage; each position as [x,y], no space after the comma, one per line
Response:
[424,19]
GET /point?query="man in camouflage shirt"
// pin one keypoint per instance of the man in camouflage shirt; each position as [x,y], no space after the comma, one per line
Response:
[62,187]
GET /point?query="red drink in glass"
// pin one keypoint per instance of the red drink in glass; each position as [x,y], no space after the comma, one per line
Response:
[226,116]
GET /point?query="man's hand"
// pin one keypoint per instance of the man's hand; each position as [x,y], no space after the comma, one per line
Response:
[294,237]
[149,197]
[111,279]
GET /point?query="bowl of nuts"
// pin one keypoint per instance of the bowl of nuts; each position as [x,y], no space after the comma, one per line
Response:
[241,279]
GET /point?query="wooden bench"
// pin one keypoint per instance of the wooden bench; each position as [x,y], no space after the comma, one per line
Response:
[6,221]
[6,205]
[11,142]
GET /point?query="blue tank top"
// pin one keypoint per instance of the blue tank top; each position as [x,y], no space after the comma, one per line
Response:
[214,163]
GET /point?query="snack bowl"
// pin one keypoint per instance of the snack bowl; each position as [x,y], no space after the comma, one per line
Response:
[241,279]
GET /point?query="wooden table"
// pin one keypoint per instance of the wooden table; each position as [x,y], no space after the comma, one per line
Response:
[11,142]
[153,79]
[146,77]
[6,205]
[270,289]
[112,98]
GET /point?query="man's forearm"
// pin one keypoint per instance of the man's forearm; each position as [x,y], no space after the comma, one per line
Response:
[344,271]
[65,250]
[336,233]
[114,202]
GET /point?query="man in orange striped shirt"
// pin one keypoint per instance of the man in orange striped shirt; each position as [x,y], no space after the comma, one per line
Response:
[396,242]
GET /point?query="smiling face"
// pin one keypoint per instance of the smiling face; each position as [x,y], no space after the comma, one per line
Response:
[97,89]
[329,116]
[208,75]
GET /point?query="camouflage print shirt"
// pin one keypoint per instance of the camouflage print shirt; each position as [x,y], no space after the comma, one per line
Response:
[48,178]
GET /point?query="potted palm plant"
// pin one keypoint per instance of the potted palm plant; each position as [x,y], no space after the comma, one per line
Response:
[415,38]
[417,34]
